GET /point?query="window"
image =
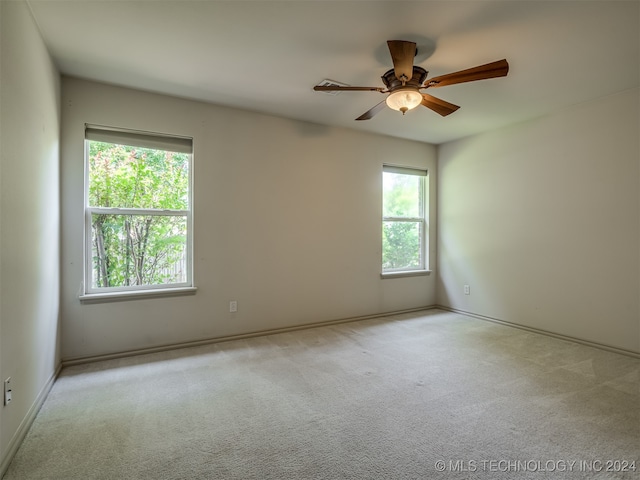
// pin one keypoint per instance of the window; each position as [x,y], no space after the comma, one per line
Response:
[404,220]
[138,219]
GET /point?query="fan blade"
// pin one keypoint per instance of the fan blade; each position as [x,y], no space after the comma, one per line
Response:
[490,70]
[438,106]
[319,88]
[371,112]
[402,54]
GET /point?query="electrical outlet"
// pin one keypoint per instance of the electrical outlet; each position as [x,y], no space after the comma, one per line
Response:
[7,391]
[467,290]
[233,306]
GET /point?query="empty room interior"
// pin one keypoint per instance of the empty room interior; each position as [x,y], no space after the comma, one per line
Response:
[309,239]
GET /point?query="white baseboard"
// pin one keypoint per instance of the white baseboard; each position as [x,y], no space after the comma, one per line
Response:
[601,346]
[68,362]
[26,423]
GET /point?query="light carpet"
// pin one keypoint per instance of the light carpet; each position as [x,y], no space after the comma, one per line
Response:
[424,395]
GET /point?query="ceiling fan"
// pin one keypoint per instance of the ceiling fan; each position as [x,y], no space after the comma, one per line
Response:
[405,80]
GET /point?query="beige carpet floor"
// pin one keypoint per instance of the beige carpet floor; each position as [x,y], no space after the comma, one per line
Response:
[426,395]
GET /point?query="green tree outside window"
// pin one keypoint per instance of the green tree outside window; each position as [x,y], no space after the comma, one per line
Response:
[403,226]
[138,199]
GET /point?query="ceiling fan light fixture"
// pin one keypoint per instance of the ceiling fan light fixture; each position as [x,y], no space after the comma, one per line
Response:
[404,100]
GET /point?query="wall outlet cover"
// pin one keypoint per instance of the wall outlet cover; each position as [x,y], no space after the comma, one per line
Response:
[7,391]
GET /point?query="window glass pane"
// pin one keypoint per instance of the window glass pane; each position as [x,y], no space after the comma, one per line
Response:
[401,245]
[138,250]
[133,177]
[401,195]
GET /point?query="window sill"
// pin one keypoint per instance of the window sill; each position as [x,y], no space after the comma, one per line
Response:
[406,273]
[136,295]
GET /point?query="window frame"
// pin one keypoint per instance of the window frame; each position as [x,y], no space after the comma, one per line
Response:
[156,141]
[422,220]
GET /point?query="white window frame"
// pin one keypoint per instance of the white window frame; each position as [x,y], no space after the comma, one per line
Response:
[145,140]
[422,220]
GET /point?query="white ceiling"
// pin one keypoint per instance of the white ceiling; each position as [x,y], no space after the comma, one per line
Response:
[266,56]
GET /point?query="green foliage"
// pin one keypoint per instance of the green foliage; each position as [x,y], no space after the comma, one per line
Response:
[400,245]
[401,195]
[130,248]
[402,200]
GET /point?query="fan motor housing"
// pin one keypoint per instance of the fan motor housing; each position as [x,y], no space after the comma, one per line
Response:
[392,82]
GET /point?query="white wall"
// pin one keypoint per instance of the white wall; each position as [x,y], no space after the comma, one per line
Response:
[542,219]
[287,222]
[29,215]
